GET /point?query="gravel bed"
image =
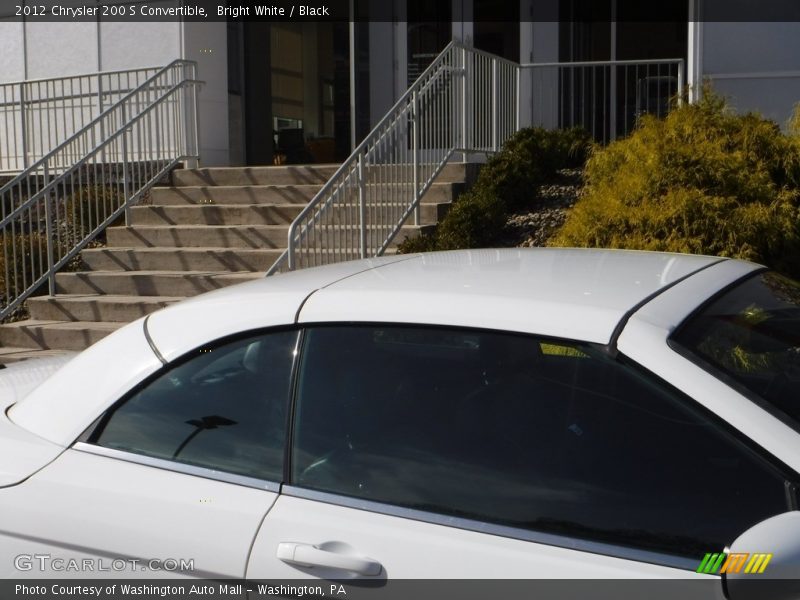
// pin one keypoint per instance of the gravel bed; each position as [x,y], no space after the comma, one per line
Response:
[533,226]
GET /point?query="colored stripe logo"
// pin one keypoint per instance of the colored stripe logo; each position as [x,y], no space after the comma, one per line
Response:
[734,562]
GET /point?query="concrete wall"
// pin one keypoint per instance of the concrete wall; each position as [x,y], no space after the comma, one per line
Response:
[34,50]
[755,65]
[206,43]
[12,57]
[538,87]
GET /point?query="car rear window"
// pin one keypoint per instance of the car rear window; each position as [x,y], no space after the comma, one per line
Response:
[750,335]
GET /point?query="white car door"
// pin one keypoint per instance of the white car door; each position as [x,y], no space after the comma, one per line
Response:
[173,480]
[88,515]
[422,452]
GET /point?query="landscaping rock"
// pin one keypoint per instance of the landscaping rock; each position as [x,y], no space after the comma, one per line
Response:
[534,225]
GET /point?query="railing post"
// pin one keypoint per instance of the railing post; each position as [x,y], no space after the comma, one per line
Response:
[415,152]
[517,119]
[48,228]
[464,142]
[100,112]
[495,111]
[362,208]
[196,121]
[125,190]
[680,82]
[612,101]
[290,248]
[23,125]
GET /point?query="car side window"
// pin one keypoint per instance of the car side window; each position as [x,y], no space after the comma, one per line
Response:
[522,432]
[222,407]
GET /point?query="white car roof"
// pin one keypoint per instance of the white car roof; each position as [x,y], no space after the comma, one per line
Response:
[571,293]
[577,294]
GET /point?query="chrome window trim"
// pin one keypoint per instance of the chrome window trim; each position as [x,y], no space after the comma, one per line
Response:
[185,469]
[525,535]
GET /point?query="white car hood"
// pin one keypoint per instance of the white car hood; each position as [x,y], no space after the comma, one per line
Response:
[22,453]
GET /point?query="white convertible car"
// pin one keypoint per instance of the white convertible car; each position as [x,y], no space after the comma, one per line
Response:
[491,414]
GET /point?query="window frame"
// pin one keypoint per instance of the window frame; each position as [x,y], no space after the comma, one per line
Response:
[287,487]
[769,461]
[85,442]
[716,372]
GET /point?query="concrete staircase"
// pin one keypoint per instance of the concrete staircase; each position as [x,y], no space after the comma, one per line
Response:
[211,228]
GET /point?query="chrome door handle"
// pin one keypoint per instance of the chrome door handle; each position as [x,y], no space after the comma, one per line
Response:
[306,555]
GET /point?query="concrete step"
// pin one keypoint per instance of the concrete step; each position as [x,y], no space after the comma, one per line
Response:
[251,214]
[56,335]
[10,355]
[282,194]
[308,174]
[148,283]
[229,214]
[179,259]
[96,307]
[221,236]
[234,194]
[281,175]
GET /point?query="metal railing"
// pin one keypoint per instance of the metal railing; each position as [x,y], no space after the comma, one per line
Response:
[53,209]
[37,115]
[464,101]
[604,97]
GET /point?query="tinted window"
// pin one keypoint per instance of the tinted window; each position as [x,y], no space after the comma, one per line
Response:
[751,333]
[224,408]
[522,432]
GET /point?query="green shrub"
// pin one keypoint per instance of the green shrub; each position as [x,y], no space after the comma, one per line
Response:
[420,243]
[702,180]
[85,209]
[23,256]
[473,222]
[23,259]
[508,181]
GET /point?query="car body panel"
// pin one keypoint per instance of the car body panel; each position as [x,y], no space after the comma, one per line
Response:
[86,506]
[65,404]
[267,302]
[568,293]
[439,551]
[23,452]
[110,505]
[644,339]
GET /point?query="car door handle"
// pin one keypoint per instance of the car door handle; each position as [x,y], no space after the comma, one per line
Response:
[306,555]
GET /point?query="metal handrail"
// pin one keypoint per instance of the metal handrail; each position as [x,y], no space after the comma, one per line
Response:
[94,123]
[38,114]
[599,63]
[50,212]
[606,97]
[363,206]
[93,74]
[467,101]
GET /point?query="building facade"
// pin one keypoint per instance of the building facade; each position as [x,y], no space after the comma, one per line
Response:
[306,91]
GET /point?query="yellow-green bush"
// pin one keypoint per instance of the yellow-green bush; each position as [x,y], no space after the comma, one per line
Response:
[508,181]
[702,180]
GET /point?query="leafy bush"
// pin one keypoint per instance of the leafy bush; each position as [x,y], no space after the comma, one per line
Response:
[702,180]
[507,182]
[23,258]
[23,255]
[85,209]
